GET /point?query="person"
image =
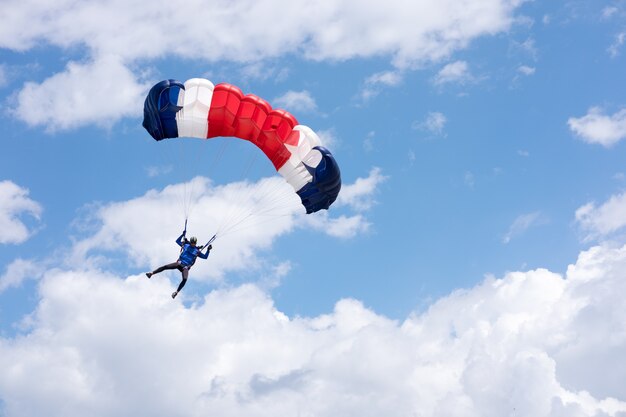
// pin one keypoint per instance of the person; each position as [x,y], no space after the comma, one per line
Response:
[189,251]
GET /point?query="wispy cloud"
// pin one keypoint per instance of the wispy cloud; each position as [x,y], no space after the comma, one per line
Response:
[296,101]
[434,123]
[360,194]
[456,72]
[609,11]
[14,204]
[375,83]
[368,142]
[598,128]
[526,70]
[19,271]
[3,76]
[601,221]
[521,224]
[156,171]
[329,138]
[469,179]
[528,48]
[616,46]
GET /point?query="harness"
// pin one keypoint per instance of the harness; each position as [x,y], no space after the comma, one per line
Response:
[188,255]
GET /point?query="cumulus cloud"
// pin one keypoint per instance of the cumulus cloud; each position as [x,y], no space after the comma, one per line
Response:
[360,195]
[604,220]
[98,92]
[247,218]
[598,128]
[409,34]
[413,32]
[15,203]
[296,101]
[455,72]
[535,342]
[521,224]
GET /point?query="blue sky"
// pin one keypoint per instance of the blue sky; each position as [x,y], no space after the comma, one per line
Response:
[483,163]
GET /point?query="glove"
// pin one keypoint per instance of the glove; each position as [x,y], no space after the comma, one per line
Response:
[210,247]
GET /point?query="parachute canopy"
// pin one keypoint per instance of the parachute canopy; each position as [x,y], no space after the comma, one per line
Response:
[199,109]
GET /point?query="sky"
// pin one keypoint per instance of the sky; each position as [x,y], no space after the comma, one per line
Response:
[472,265]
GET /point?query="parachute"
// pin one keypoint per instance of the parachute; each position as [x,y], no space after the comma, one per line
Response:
[199,109]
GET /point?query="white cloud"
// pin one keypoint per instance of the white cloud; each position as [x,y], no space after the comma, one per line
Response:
[602,221]
[609,11]
[596,127]
[434,123]
[534,342]
[615,47]
[388,78]
[360,195]
[14,203]
[368,143]
[156,171]
[18,271]
[412,157]
[344,227]
[413,32]
[99,92]
[527,47]
[455,72]
[3,75]
[247,218]
[376,82]
[329,138]
[521,224]
[244,32]
[526,70]
[469,179]
[296,101]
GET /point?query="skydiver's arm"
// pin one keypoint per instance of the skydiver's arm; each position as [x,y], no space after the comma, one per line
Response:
[205,255]
[179,241]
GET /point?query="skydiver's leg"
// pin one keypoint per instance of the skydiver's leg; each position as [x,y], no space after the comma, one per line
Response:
[185,273]
[173,265]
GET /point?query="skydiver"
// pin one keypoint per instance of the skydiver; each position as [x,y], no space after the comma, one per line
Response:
[188,254]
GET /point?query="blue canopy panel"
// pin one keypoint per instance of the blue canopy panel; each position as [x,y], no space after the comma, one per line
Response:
[325,186]
[160,108]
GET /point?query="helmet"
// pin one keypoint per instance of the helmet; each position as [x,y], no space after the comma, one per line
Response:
[193,240]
